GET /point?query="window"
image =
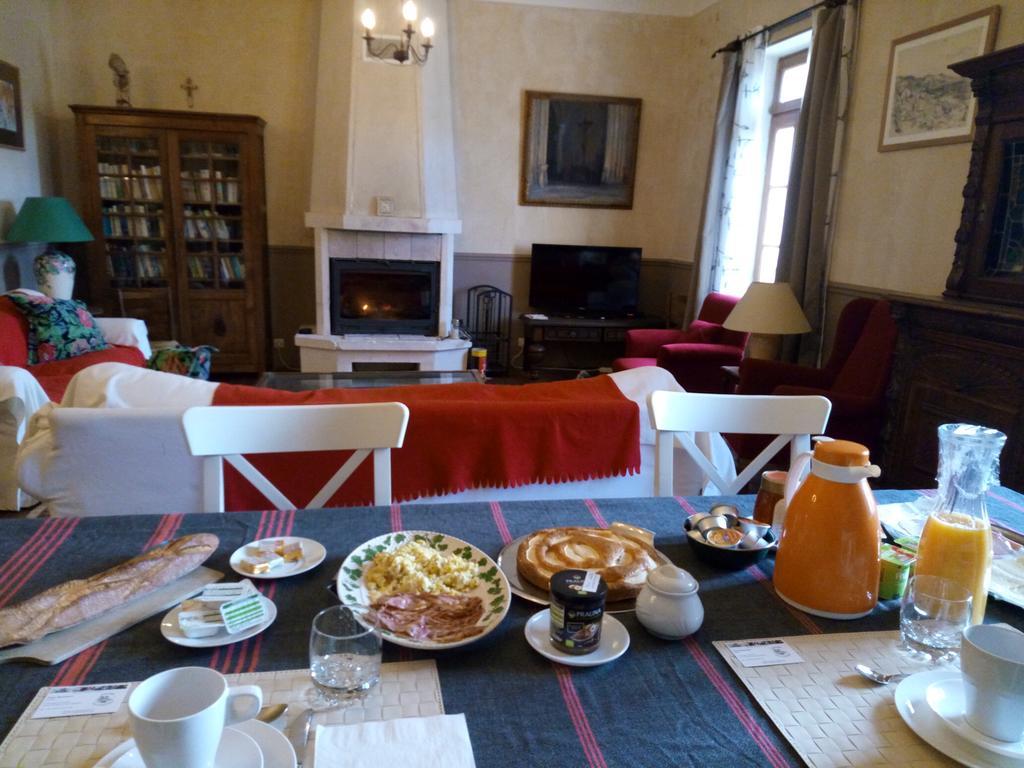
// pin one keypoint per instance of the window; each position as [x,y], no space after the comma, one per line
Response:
[790,79]
[756,197]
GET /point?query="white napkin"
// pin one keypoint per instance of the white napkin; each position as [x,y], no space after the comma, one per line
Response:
[411,742]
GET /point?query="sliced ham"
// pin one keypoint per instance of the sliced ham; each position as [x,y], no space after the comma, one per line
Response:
[440,618]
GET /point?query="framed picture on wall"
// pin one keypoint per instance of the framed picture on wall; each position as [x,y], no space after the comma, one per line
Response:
[12,123]
[579,151]
[926,103]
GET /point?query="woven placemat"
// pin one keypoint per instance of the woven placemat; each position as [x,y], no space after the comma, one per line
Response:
[407,689]
[829,713]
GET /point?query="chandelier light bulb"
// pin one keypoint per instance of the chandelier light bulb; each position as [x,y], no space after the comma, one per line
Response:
[409,11]
[427,27]
[369,19]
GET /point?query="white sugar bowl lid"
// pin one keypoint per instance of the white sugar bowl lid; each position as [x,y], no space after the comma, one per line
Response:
[671,580]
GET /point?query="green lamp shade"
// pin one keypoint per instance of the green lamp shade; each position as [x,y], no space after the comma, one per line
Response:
[48,220]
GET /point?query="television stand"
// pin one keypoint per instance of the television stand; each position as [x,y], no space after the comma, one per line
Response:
[577,343]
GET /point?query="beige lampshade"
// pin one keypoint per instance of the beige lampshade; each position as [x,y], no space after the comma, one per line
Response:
[768,308]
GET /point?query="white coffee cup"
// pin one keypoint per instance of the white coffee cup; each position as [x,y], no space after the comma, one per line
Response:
[177,717]
[992,660]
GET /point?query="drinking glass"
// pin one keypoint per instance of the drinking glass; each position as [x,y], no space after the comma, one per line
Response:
[344,656]
[933,616]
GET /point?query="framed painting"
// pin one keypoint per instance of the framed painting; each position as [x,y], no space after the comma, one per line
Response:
[925,102]
[579,151]
[12,123]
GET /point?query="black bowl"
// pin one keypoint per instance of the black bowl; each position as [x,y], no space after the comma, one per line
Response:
[732,559]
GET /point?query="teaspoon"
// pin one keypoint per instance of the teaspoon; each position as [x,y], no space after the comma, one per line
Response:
[270,713]
[881,678]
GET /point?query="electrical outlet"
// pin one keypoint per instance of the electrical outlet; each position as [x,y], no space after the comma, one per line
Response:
[278,343]
[385,206]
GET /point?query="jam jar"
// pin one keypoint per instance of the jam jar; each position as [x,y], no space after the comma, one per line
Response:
[577,609]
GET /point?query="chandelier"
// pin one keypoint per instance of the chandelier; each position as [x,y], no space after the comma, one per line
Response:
[403,50]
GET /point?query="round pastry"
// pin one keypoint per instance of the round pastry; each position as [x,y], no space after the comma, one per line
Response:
[622,562]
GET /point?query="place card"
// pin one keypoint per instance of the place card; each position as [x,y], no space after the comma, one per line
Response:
[70,700]
[763,653]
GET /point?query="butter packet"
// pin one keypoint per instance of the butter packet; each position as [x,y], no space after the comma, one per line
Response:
[262,563]
[243,613]
[218,593]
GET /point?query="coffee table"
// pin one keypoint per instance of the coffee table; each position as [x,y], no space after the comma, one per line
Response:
[302,382]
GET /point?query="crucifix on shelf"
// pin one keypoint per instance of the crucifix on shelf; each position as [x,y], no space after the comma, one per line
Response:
[189,87]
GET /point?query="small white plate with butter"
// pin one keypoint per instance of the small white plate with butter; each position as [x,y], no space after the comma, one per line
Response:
[273,559]
[171,629]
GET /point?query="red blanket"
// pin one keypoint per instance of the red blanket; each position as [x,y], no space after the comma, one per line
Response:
[460,436]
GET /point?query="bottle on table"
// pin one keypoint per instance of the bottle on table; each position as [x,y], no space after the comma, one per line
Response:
[956,542]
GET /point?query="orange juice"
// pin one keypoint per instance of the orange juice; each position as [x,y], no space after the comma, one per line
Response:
[958,547]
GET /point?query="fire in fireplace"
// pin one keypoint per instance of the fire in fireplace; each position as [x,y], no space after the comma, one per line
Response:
[370,296]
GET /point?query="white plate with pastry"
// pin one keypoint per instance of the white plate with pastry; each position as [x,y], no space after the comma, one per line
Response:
[426,589]
[626,549]
[277,557]
[171,629]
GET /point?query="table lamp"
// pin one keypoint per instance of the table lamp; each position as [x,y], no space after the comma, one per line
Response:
[766,311]
[50,220]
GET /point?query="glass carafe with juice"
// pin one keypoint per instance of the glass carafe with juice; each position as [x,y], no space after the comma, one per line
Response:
[956,542]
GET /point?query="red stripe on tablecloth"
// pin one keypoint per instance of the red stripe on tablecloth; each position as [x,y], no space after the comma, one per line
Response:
[499,521]
[686,505]
[803,618]
[591,750]
[28,547]
[286,530]
[598,517]
[396,518]
[45,549]
[272,531]
[74,670]
[215,661]
[775,758]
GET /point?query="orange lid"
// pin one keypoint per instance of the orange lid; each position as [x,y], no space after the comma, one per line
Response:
[842,453]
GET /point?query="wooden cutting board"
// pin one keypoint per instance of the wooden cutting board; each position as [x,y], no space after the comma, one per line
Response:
[56,647]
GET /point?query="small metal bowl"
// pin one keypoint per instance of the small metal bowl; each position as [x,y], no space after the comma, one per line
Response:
[748,551]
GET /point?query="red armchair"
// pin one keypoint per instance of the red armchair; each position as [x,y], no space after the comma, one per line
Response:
[854,378]
[694,356]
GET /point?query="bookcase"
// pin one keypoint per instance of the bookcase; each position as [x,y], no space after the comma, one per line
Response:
[177,203]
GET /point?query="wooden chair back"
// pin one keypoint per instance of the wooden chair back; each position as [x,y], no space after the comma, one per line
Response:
[224,433]
[689,417]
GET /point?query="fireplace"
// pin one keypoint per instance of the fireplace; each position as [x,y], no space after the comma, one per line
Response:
[373,296]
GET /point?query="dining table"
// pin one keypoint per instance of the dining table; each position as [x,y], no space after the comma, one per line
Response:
[663,702]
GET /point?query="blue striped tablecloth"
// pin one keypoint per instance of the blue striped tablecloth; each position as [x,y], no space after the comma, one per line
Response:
[663,703]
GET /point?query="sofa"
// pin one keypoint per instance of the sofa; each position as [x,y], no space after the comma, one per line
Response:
[116,446]
[25,388]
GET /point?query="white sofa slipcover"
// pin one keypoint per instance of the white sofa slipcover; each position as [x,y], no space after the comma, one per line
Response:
[115,446]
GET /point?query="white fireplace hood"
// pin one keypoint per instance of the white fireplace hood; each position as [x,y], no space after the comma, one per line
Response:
[382,130]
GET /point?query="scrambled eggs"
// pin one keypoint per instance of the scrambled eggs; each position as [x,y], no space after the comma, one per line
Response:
[417,567]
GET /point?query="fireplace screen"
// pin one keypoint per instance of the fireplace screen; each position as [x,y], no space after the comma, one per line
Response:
[383,297]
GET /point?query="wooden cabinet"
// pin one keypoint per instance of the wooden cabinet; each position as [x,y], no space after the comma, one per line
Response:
[955,362]
[577,343]
[177,204]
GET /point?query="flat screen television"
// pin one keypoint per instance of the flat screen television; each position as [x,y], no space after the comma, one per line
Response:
[590,280]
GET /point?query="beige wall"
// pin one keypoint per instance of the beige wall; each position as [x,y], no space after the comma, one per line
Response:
[25,42]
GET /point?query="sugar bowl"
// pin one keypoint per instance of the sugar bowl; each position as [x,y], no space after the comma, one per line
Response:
[668,605]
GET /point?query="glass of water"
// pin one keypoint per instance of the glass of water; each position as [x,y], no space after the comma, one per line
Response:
[344,656]
[933,616]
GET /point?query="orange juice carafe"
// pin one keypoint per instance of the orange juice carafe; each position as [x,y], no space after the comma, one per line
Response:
[956,542]
[828,558]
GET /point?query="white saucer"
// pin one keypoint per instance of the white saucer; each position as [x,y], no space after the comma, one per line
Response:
[236,750]
[169,629]
[911,703]
[277,750]
[313,553]
[946,698]
[614,641]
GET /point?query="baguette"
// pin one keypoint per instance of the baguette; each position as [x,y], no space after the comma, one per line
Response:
[79,600]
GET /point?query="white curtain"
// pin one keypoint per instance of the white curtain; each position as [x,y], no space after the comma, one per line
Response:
[618,143]
[740,205]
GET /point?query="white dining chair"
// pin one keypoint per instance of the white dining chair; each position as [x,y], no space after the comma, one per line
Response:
[223,433]
[688,418]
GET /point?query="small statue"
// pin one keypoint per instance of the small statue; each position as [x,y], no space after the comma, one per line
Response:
[122,79]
